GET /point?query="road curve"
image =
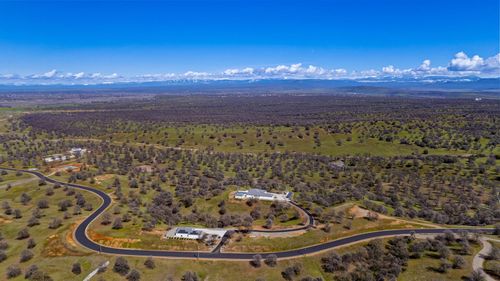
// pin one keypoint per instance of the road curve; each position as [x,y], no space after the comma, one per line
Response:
[479,258]
[82,238]
[309,224]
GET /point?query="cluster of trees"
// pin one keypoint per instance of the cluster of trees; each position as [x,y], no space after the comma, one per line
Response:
[122,268]
[493,264]
[75,200]
[379,261]
[424,186]
[449,123]
[37,203]
[32,273]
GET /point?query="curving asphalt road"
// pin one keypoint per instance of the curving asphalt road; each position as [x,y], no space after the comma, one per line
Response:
[82,238]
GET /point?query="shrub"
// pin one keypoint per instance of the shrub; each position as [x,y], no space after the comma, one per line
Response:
[30,270]
[40,276]
[3,256]
[76,268]
[332,262]
[476,276]
[444,266]
[31,243]
[117,223]
[33,221]
[494,254]
[256,261]
[271,260]
[13,271]
[26,255]
[190,276]
[150,263]
[458,262]
[23,234]
[134,275]
[43,204]
[55,223]
[121,266]
[4,245]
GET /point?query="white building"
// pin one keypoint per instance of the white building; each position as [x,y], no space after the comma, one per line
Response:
[195,233]
[57,157]
[260,194]
[188,233]
[63,157]
[77,151]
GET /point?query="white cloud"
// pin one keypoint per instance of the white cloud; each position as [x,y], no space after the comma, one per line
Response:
[475,65]
[294,68]
[299,71]
[425,66]
[389,69]
[49,74]
[79,75]
[277,69]
[366,73]
[9,76]
[112,76]
[236,71]
[492,64]
[462,62]
[195,74]
[46,75]
[460,65]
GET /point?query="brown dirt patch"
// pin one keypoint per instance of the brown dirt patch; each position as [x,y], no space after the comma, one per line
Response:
[4,220]
[231,198]
[63,167]
[157,232]
[396,222]
[69,235]
[56,247]
[359,212]
[111,241]
[145,168]
[101,178]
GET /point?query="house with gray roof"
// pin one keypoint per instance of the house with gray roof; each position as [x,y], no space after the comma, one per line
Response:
[195,233]
[188,233]
[260,194]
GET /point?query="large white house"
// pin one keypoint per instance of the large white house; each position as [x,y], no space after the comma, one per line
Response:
[260,194]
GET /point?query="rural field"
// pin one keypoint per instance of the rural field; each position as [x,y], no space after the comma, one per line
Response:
[223,140]
[348,176]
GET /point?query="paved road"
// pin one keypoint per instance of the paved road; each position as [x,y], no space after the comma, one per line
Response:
[81,235]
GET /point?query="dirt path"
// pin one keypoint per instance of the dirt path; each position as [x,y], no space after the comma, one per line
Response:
[478,261]
[359,212]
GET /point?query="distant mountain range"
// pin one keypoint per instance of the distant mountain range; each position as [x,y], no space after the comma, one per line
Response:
[429,86]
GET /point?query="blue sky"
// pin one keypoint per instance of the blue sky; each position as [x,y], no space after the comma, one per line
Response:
[144,37]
